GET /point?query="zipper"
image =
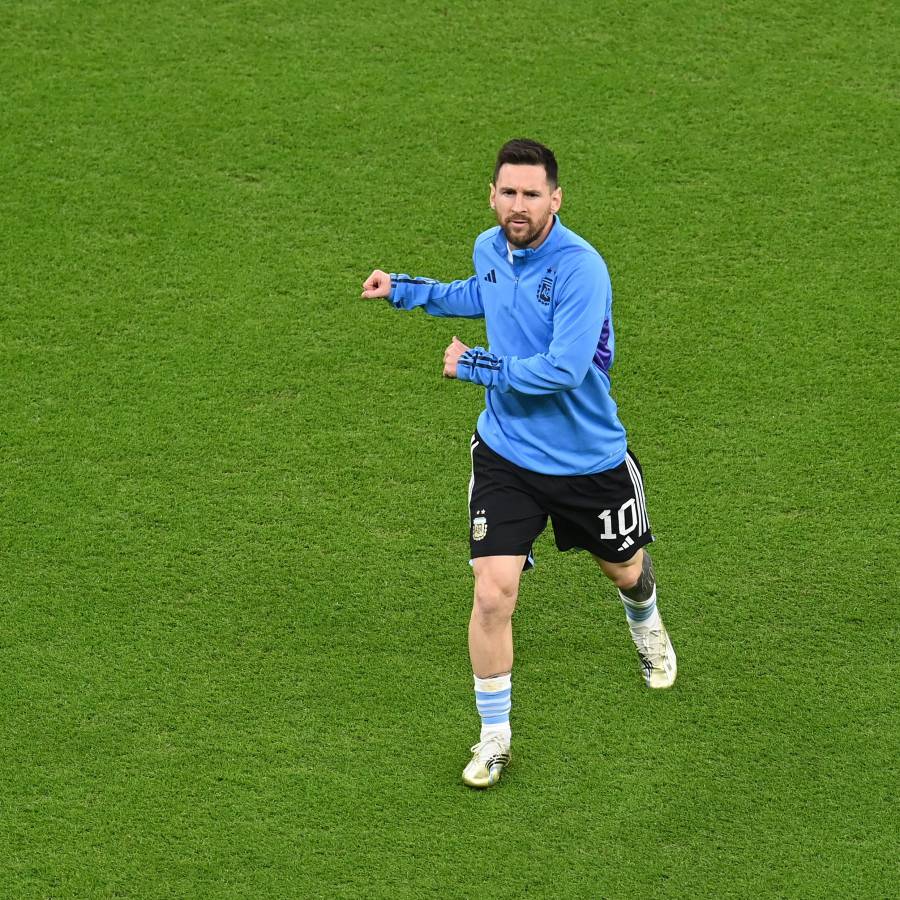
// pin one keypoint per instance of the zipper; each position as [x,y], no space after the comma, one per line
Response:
[517,269]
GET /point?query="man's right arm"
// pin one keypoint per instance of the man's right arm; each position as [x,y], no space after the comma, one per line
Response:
[458,298]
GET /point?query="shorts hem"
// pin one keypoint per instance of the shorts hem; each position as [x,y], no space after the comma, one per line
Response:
[609,554]
[480,552]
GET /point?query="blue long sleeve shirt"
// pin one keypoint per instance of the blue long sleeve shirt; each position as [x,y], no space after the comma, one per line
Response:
[548,313]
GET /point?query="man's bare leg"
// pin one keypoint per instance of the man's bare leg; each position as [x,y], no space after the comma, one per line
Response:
[491,654]
[636,582]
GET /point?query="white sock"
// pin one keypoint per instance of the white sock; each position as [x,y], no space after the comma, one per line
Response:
[504,732]
[493,697]
[641,613]
[654,621]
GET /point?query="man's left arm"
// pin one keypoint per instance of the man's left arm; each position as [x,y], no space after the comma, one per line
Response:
[581,309]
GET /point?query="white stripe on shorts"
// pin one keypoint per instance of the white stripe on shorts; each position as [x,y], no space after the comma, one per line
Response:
[473,445]
[638,483]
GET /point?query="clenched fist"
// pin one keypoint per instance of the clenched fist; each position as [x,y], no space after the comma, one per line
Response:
[378,284]
[452,355]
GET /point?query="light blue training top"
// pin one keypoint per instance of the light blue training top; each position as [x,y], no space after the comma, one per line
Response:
[548,313]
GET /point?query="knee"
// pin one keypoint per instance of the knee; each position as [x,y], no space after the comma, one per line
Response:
[624,575]
[624,579]
[495,600]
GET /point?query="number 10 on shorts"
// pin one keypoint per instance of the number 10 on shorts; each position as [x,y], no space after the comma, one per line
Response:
[627,520]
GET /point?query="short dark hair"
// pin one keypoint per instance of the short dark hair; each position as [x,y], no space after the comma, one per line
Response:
[525,152]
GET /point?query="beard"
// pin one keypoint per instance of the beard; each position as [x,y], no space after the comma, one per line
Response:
[524,235]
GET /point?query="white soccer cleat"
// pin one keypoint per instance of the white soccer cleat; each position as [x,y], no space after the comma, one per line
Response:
[490,757]
[658,663]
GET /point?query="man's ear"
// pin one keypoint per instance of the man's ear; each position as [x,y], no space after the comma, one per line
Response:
[556,200]
[493,196]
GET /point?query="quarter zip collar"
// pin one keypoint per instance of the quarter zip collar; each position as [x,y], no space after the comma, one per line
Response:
[525,253]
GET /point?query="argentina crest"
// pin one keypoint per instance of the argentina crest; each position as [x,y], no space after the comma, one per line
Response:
[545,288]
[479,526]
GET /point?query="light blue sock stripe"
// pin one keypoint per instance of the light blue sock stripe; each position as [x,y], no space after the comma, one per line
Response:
[499,719]
[494,706]
[493,695]
[638,612]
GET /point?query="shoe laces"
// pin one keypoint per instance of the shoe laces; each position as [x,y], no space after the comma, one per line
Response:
[482,746]
[651,641]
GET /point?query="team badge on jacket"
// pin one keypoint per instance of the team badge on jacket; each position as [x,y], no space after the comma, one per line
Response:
[479,526]
[545,288]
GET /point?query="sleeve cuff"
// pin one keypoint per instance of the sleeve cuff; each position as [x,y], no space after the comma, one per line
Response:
[479,366]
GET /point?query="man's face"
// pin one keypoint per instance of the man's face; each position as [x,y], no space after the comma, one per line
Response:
[524,203]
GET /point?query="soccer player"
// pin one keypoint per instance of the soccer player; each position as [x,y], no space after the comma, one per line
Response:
[549,442]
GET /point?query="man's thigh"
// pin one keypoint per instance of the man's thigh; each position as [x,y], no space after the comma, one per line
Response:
[497,578]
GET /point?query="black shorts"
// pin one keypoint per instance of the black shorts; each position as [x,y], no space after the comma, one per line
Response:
[604,513]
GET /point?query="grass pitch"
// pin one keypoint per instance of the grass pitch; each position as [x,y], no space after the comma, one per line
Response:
[233,574]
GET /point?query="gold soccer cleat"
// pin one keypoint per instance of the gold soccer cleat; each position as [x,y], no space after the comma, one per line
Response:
[490,758]
[656,653]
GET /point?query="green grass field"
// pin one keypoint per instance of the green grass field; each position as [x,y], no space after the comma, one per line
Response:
[233,573]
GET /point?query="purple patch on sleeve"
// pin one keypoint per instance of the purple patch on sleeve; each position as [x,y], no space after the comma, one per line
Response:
[603,355]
